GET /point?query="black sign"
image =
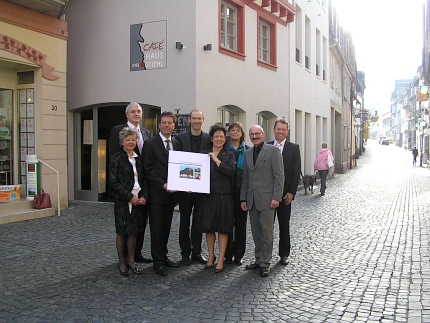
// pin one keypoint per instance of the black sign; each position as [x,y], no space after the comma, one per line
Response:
[182,124]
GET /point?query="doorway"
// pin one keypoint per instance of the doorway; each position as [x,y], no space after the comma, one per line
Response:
[92,131]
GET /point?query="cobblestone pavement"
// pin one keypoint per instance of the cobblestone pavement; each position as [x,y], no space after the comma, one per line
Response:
[360,254]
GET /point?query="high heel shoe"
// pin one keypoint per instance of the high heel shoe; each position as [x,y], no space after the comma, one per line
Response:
[135,270]
[218,270]
[210,266]
[123,272]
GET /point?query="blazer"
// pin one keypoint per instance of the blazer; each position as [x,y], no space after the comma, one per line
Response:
[263,182]
[156,164]
[185,141]
[292,167]
[122,177]
[115,145]
[220,177]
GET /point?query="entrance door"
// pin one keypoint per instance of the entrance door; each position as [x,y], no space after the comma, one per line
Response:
[6,137]
[93,127]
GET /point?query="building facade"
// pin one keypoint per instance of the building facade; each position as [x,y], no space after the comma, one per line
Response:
[33,66]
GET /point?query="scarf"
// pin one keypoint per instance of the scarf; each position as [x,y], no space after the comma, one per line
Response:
[239,153]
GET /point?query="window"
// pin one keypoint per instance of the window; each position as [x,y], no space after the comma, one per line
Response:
[264,52]
[266,44]
[227,116]
[228,26]
[232,28]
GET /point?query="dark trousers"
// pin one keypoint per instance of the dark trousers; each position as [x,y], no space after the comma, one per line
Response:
[194,244]
[160,221]
[237,239]
[283,212]
[323,177]
[140,237]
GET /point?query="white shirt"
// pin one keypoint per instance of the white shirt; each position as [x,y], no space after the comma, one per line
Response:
[280,145]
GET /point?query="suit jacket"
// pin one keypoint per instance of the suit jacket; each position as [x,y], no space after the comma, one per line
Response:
[292,166]
[115,145]
[156,164]
[263,182]
[185,141]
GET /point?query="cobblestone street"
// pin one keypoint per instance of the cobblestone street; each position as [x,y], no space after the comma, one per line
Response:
[359,254]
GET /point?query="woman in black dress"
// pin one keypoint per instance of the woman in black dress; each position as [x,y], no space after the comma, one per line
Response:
[130,192]
[215,210]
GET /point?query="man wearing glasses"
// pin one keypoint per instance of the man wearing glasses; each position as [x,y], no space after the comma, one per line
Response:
[261,192]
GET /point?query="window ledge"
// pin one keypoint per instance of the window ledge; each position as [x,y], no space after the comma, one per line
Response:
[232,53]
[267,65]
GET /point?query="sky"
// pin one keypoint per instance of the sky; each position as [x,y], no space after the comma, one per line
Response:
[388,40]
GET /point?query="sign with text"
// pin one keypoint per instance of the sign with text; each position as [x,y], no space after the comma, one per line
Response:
[148,46]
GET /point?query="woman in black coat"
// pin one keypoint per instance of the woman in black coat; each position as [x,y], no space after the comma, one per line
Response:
[215,210]
[130,192]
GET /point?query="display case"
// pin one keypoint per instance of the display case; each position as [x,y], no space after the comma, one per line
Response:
[5,155]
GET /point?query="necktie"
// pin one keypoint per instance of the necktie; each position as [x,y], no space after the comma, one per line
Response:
[279,146]
[140,142]
[167,141]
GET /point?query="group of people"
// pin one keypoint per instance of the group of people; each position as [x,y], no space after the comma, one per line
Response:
[260,180]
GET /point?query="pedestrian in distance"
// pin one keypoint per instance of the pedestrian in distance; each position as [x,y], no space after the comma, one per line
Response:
[194,140]
[414,155]
[134,115]
[292,168]
[163,200]
[237,239]
[130,192]
[215,210]
[321,164]
[261,192]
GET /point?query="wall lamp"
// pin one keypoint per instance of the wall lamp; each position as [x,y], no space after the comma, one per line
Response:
[179,45]
[207,47]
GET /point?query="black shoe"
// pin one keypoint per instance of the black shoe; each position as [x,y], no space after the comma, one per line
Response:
[159,270]
[228,261]
[238,261]
[254,265]
[135,270]
[201,259]
[209,266]
[264,271]
[141,258]
[169,263]
[284,260]
[186,260]
[218,270]
[123,272]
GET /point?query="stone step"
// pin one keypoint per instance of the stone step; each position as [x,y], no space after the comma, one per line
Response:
[21,210]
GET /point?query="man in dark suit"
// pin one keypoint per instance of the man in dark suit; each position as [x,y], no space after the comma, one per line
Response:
[134,115]
[161,200]
[292,167]
[194,140]
[261,191]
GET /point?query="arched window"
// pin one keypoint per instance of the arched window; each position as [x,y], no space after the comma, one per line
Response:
[228,114]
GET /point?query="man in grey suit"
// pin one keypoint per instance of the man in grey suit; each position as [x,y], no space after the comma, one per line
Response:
[261,192]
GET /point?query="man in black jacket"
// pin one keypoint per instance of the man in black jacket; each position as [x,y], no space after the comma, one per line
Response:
[161,200]
[292,167]
[134,114]
[194,140]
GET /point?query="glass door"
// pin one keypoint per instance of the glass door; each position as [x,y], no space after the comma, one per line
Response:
[86,155]
[6,137]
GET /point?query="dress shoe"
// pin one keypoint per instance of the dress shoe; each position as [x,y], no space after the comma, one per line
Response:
[186,260]
[228,261]
[264,271]
[159,270]
[123,272]
[207,266]
[238,261]
[201,259]
[169,263]
[141,258]
[135,270]
[254,265]
[284,260]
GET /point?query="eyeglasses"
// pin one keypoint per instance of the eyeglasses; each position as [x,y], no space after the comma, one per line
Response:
[218,137]
[235,130]
[255,134]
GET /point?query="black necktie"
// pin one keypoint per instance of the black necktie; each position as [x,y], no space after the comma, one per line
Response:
[167,141]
